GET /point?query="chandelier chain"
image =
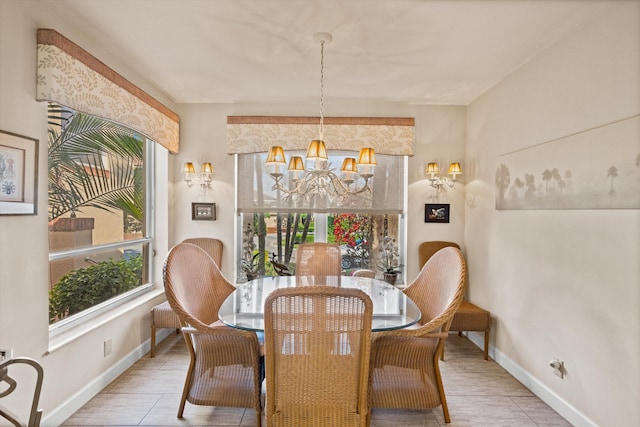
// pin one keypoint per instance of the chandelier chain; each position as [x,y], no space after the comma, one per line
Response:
[322,90]
[319,179]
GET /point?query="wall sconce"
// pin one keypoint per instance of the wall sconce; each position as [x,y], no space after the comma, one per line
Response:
[204,177]
[437,181]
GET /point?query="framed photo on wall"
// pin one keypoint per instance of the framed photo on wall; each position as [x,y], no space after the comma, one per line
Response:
[436,213]
[18,174]
[203,211]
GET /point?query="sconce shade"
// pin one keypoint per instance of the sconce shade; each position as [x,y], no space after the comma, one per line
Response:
[188,168]
[206,168]
[455,169]
[367,157]
[296,164]
[203,177]
[317,150]
[349,165]
[438,181]
[432,169]
[276,155]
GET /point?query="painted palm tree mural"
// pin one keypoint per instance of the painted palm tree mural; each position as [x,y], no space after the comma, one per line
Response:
[612,173]
[568,171]
[503,179]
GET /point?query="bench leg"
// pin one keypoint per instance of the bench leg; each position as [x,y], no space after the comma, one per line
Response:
[153,341]
[486,344]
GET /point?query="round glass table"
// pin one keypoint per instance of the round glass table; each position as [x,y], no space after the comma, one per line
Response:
[244,308]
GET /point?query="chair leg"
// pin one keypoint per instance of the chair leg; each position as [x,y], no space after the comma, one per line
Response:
[153,341]
[443,398]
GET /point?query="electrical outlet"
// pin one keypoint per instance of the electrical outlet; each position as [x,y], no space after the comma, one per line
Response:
[558,367]
[108,347]
[6,354]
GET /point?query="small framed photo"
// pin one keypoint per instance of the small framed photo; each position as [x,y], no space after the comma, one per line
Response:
[18,174]
[203,211]
[436,213]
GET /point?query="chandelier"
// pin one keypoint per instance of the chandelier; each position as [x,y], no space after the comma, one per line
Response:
[318,177]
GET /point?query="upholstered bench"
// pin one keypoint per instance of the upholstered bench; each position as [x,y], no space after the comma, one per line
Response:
[470,317]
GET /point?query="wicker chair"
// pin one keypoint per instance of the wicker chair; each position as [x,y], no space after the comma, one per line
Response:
[469,317]
[364,272]
[162,316]
[319,263]
[317,355]
[405,362]
[225,367]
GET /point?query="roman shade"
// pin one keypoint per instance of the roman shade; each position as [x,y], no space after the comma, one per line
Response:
[250,137]
[72,77]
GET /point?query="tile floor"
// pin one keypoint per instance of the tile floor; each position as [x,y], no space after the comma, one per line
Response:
[479,393]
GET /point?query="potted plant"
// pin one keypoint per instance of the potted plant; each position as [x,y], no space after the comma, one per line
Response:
[389,259]
[251,266]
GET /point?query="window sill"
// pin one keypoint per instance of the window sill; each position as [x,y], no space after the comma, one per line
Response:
[70,333]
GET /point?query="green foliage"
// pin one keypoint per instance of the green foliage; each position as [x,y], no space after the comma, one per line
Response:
[251,266]
[308,239]
[86,287]
[93,162]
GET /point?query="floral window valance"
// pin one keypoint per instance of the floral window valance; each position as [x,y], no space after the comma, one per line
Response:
[70,76]
[254,134]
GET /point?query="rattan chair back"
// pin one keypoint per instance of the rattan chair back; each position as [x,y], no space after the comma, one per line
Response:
[436,287]
[225,362]
[213,247]
[162,316]
[317,355]
[318,264]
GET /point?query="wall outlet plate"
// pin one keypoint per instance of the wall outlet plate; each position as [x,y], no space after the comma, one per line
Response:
[6,354]
[558,367]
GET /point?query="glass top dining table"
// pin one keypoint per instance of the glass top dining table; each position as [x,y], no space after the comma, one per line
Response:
[244,308]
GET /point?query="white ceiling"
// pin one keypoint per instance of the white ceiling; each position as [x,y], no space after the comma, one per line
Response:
[414,51]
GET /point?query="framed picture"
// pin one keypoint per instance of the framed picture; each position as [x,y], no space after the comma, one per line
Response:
[203,211]
[436,213]
[18,174]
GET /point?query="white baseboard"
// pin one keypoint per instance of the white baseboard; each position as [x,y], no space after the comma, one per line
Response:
[60,414]
[561,406]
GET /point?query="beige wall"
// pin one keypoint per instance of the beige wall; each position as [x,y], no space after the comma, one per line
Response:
[74,363]
[561,283]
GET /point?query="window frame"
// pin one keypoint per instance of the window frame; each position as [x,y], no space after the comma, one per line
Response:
[147,241]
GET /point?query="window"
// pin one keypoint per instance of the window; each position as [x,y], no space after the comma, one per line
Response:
[272,225]
[99,203]
[276,237]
